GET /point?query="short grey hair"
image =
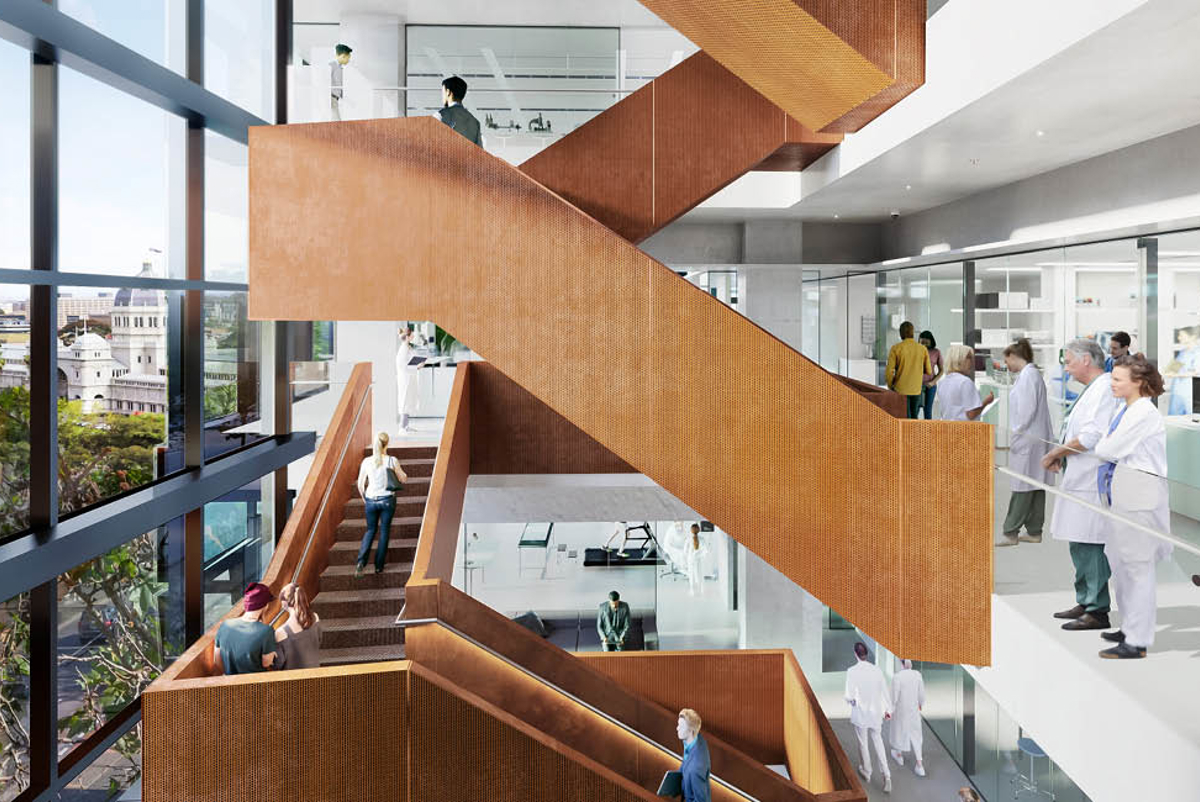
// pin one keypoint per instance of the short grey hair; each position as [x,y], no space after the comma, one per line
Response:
[1082,346]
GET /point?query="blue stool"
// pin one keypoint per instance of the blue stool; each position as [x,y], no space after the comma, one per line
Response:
[1021,783]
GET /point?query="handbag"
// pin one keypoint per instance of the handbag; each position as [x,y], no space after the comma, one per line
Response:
[393,483]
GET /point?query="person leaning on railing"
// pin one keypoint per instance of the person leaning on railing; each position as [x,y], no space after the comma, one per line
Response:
[245,645]
[299,639]
[1132,483]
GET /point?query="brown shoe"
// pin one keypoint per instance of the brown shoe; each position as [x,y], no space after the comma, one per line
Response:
[1074,612]
[1088,621]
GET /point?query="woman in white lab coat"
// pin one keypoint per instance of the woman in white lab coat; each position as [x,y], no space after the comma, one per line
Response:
[1132,483]
[1029,422]
[406,379]
[695,549]
[908,699]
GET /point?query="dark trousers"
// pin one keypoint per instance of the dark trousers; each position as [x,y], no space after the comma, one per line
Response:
[1091,576]
[927,396]
[379,515]
[1026,508]
[914,405]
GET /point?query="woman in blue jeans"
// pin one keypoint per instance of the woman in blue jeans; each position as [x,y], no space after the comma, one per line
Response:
[380,502]
[929,383]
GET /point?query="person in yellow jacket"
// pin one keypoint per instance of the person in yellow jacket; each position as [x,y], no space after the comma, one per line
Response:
[907,366]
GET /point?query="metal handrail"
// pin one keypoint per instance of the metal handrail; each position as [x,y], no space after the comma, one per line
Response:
[312,532]
[403,623]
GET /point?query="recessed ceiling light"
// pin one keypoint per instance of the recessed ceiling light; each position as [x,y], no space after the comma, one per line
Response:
[836,216]
[1041,133]
[908,186]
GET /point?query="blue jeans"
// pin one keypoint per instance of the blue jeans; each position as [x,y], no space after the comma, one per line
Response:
[379,514]
[927,401]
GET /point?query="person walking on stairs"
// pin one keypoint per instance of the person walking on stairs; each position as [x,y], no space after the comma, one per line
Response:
[870,704]
[379,477]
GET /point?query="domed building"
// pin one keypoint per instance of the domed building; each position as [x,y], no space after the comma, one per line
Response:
[128,372]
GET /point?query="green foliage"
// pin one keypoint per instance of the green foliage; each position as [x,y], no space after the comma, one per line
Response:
[445,341]
[100,455]
[220,401]
[14,684]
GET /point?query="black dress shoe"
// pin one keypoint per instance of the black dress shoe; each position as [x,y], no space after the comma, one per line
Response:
[1123,651]
[1075,612]
[1116,636]
[1088,621]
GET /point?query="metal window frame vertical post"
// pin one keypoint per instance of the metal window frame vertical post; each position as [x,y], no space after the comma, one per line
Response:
[1148,298]
[43,418]
[968,303]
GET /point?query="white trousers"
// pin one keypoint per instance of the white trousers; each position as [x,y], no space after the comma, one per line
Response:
[695,577]
[902,742]
[876,737]
[1136,591]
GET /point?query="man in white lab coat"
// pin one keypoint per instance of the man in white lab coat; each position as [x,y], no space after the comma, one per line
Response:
[1087,421]
[908,699]
[870,703]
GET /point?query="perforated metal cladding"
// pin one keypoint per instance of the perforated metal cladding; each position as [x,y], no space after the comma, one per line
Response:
[328,737]
[814,756]
[803,471]
[514,432]
[782,51]
[739,695]
[465,753]
[931,557]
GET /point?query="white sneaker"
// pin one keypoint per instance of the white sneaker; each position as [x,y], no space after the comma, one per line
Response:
[1005,540]
[898,757]
[887,785]
[919,770]
[862,772]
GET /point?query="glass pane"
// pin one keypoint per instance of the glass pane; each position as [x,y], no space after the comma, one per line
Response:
[236,550]
[14,690]
[231,380]
[860,330]
[695,587]
[113,392]
[14,408]
[152,28]
[1179,325]
[115,213]
[226,209]
[833,323]
[116,770]
[891,311]
[120,622]
[239,53]
[810,315]
[14,156]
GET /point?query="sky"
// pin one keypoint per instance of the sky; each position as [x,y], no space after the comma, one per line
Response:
[115,190]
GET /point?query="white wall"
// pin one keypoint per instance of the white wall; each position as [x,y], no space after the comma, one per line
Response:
[374,342]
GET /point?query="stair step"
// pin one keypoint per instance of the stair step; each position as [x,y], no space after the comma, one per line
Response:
[353,528]
[408,452]
[406,507]
[373,630]
[418,467]
[341,577]
[400,549]
[362,654]
[358,603]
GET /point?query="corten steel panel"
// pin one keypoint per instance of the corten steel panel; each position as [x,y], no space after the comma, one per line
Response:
[710,127]
[801,147]
[465,748]
[730,420]
[438,543]
[782,51]
[738,694]
[891,34]
[813,750]
[532,437]
[271,736]
[308,510]
[439,600]
[929,624]
[606,166]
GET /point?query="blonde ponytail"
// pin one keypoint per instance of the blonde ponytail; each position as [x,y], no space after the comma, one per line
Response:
[379,449]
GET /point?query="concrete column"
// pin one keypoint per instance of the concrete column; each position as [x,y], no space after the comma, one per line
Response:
[776,613]
[772,299]
[772,242]
[374,342]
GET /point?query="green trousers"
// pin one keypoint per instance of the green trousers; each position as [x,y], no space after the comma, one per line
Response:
[1025,508]
[1091,576]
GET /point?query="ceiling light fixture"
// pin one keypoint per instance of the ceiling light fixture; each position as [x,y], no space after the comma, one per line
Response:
[1041,133]
[907,187]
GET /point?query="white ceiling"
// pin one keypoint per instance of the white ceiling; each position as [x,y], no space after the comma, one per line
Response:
[1131,80]
[617,13]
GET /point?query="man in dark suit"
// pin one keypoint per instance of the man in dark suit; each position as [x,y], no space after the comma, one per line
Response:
[454,89]
[696,766]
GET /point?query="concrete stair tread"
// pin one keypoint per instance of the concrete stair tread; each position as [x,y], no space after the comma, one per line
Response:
[365,622]
[365,594]
[362,654]
[348,570]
